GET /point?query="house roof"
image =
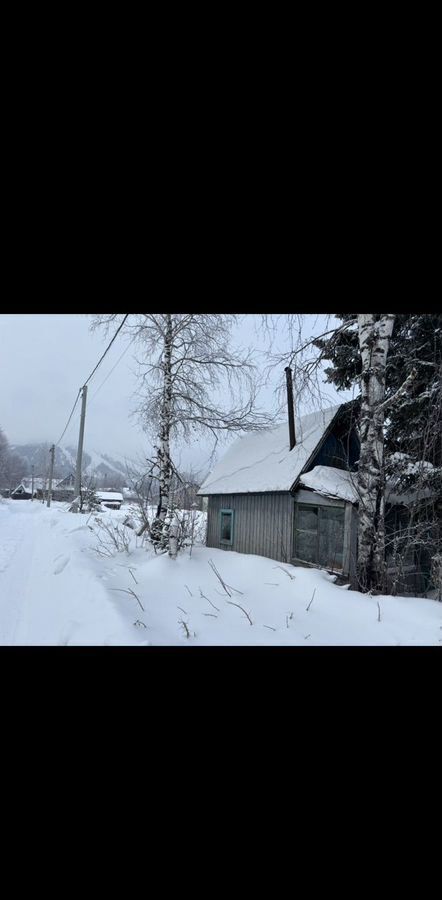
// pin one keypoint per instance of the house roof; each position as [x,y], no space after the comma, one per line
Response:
[343,485]
[39,483]
[110,495]
[262,461]
[332,482]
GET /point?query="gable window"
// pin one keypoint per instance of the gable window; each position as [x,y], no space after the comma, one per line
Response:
[319,535]
[226,526]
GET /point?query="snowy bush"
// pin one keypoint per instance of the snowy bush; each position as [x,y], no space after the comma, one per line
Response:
[113,537]
[189,527]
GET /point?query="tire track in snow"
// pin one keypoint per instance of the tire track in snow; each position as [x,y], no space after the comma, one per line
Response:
[16,554]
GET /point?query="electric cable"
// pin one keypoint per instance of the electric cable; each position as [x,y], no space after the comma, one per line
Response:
[93,372]
[112,369]
[70,417]
[106,351]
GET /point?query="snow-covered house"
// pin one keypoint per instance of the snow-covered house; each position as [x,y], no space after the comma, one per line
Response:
[67,483]
[259,502]
[23,491]
[300,505]
[63,490]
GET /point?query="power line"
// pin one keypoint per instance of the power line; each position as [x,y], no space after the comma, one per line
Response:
[70,417]
[93,372]
[107,349]
[112,369]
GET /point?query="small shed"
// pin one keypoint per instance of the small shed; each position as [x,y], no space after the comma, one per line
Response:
[111,499]
[292,495]
[259,501]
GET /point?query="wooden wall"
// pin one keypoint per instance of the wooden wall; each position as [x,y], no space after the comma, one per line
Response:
[263,523]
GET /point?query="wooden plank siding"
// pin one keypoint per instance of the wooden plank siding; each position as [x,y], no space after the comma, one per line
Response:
[263,523]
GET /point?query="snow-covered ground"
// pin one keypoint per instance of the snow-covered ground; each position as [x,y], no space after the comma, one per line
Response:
[55,589]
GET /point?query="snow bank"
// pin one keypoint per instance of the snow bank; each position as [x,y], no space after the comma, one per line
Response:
[56,589]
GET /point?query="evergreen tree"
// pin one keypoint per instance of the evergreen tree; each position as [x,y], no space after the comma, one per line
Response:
[413,420]
[411,425]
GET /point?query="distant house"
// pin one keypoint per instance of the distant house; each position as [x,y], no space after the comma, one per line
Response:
[297,505]
[63,489]
[68,482]
[22,492]
[111,499]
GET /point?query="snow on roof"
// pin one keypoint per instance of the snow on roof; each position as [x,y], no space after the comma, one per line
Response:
[39,482]
[344,485]
[332,482]
[109,495]
[262,461]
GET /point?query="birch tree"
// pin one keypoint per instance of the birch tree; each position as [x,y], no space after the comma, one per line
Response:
[192,382]
[363,342]
[374,338]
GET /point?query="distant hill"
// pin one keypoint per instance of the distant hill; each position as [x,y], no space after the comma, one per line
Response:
[94,464]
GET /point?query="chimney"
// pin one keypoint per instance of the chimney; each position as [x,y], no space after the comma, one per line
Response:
[290,407]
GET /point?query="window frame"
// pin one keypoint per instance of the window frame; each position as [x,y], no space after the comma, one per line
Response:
[226,512]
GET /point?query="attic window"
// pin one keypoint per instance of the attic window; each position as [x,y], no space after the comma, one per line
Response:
[226,526]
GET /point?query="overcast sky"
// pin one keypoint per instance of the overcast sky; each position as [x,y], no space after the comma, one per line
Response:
[44,360]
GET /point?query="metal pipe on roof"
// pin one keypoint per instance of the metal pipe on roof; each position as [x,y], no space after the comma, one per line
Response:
[290,407]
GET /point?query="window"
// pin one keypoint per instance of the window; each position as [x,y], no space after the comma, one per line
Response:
[319,535]
[226,526]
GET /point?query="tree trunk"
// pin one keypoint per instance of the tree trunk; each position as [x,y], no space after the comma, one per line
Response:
[374,339]
[159,530]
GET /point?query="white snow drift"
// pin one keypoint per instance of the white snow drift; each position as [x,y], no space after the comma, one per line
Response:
[55,589]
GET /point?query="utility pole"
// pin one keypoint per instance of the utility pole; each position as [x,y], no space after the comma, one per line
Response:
[32,483]
[80,445]
[51,472]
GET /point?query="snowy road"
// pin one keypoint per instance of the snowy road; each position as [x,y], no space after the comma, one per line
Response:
[17,545]
[50,592]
